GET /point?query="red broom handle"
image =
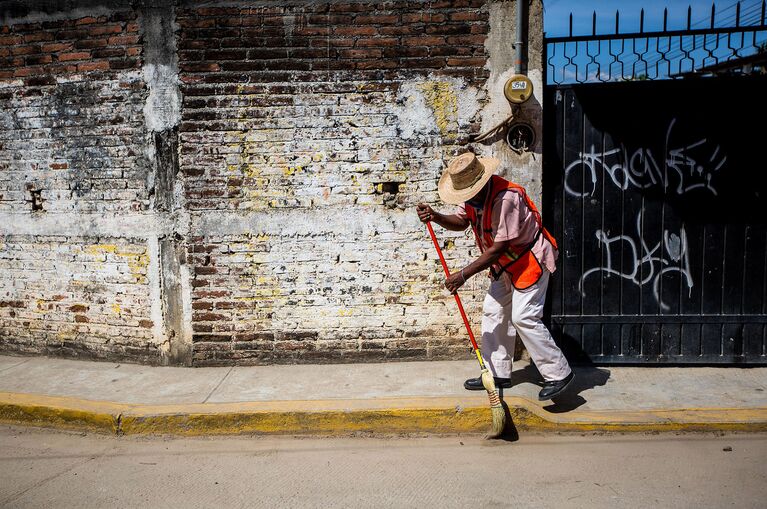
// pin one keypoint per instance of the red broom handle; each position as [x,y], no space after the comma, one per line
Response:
[457,298]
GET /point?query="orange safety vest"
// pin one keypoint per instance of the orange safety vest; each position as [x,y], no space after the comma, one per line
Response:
[520,263]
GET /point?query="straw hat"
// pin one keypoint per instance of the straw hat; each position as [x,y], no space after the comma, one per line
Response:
[465,176]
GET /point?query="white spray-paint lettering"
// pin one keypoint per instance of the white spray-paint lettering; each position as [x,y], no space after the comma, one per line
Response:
[640,168]
[669,255]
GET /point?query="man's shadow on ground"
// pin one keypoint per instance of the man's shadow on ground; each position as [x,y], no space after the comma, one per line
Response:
[587,376]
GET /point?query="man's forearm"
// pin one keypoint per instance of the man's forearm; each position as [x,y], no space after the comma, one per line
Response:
[452,222]
[485,260]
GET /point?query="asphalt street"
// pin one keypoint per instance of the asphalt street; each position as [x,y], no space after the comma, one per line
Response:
[42,468]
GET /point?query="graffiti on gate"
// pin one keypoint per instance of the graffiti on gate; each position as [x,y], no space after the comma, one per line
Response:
[643,264]
[683,168]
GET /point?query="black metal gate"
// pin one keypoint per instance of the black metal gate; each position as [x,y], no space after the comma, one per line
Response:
[657,192]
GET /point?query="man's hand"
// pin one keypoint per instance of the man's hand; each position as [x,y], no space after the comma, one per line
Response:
[454,282]
[447,221]
[425,213]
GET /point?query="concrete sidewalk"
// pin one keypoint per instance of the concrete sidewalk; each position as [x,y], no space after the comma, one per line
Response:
[380,398]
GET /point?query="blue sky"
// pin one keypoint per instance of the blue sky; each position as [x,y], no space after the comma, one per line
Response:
[556,14]
[655,57]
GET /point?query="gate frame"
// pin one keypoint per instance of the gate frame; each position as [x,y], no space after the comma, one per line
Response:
[704,61]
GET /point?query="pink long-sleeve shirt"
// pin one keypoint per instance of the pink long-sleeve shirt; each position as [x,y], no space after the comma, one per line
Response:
[514,221]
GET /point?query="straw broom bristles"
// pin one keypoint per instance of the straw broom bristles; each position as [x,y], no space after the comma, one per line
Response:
[496,408]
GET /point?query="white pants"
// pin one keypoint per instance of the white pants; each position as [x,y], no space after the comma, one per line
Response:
[508,312]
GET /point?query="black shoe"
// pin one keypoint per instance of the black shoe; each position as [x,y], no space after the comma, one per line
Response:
[475,384]
[555,388]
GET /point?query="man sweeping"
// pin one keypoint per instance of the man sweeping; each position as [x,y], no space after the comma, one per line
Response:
[519,253]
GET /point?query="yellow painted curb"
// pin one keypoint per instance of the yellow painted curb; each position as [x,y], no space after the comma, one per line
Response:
[327,417]
[57,412]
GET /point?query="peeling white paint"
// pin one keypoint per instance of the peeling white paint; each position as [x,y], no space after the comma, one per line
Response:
[163,105]
[453,108]
[136,225]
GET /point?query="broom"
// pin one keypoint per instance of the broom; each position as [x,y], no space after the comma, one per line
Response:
[496,408]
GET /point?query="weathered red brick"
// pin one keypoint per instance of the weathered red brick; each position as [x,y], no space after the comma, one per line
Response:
[60,68]
[93,66]
[423,63]
[468,16]
[123,40]
[89,20]
[38,59]
[200,67]
[466,61]
[78,55]
[400,30]
[377,19]
[354,30]
[38,36]
[63,35]
[466,40]
[360,53]
[406,52]
[376,64]
[208,317]
[25,50]
[350,7]
[54,47]
[197,23]
[59,23]
[423,17]
[330,19]
[123,16]
[10,40]
[91,43]
[451,29]
[108,52]
[37,81]
[377,42]
[217,11]
[105,29]
[423,41]
[27,27]
[27,71]
[123,63]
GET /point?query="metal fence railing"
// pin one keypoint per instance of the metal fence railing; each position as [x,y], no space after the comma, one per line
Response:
[729,42]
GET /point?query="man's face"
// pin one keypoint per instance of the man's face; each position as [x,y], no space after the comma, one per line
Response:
[478,200]
[475,201]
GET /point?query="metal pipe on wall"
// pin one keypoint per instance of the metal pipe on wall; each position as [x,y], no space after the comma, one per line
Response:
[520,59]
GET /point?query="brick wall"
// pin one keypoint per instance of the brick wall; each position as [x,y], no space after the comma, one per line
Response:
[76,296]
[72,144]
[71,118]
[269,219]
[292,132]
